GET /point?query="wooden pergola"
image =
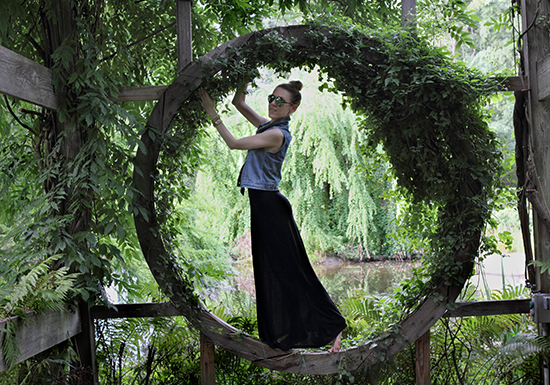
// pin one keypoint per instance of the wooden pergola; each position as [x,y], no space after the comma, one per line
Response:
[26,80]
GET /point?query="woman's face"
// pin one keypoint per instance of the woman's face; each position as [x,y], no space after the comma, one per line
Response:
[276,112]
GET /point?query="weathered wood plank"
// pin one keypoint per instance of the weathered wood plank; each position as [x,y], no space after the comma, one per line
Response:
[184,32]
[41,332]
[483,308]
[167,309]
[139,94]
[135,310]
[149,93]
[24,79]
[543,78]
[535,47]
[534,54]
[422,364]
[513,83]
[84,343]
[208,370]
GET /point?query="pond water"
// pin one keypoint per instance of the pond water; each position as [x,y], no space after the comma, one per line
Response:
[342,278]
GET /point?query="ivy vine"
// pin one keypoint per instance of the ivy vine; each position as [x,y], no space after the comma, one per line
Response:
[424,109]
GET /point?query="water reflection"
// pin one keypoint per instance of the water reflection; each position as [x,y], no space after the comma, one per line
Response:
[342,278]
[339,278]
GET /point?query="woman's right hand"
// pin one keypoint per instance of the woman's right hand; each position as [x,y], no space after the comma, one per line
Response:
[207,103]
[243,88]
[240,103]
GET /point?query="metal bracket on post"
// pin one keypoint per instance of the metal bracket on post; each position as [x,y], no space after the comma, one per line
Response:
[540,308]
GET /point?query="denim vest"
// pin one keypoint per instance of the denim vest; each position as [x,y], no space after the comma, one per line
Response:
[262,169]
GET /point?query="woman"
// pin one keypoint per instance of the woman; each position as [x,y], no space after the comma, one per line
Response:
[294,310]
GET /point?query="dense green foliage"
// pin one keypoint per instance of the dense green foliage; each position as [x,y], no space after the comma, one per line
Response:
[70,193]
[45,188]
[65,181]
[480,350]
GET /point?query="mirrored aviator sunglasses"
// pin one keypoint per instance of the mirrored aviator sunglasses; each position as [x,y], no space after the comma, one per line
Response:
[278,100]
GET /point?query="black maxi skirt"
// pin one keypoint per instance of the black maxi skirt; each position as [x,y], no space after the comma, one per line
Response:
[294,309]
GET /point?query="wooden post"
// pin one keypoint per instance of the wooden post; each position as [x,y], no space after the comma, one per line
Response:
[408,12]
[85,348]
[535,47]
[423,359]
[185,53]
[208,370]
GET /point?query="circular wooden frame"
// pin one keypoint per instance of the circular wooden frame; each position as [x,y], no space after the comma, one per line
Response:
[222,334]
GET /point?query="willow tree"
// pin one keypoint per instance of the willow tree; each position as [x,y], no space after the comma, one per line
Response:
[337,192]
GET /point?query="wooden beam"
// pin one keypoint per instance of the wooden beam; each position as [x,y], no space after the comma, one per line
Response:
[513,83]
[139,94]
[535,47]
[483,308]
[184,31]
[535,42]
[47,330]
[24,79]
[167,309]
[135,310]
[135,94]
[41,332]
[84,343]
[422,364]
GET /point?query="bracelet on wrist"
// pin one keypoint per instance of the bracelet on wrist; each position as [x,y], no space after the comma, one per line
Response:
[216,120]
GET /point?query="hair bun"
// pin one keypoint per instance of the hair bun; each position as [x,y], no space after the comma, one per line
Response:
[296,84]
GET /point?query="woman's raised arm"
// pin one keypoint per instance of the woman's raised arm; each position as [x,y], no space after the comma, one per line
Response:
[246,111]
[271,140]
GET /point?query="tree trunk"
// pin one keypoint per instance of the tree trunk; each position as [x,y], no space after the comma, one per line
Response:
[64,139]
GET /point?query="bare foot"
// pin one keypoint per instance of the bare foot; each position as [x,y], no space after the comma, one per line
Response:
[336,344]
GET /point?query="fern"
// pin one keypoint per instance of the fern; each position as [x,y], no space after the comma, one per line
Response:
[520,346]
[40,289]
[366,315]
[10,347]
